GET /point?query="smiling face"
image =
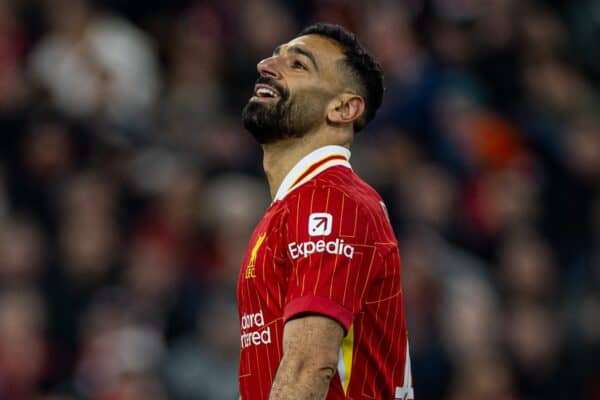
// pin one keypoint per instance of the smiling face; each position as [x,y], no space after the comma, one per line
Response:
[295,88]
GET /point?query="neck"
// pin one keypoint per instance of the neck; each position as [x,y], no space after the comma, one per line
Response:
[281,156]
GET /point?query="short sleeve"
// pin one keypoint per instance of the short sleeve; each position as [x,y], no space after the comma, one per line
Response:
[330,253]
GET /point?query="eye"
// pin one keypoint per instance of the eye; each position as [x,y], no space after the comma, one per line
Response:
[298,65]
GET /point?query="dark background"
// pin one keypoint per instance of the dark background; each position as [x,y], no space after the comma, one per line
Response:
[128,190]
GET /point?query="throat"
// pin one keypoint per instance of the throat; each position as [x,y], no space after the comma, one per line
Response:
[278,160]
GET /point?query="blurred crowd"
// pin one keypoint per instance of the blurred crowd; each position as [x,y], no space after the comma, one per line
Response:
[128,190]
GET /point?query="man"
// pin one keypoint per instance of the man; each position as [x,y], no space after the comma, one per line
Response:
[319,295]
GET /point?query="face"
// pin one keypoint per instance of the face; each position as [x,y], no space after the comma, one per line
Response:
[295,86]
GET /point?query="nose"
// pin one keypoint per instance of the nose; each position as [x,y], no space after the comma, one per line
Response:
[268,68]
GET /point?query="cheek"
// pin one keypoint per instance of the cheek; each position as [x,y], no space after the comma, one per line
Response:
[320,100]
[301,107]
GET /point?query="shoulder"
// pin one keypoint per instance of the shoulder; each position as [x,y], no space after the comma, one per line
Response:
[341,194]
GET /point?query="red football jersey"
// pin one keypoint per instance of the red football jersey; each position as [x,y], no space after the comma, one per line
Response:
[325,246]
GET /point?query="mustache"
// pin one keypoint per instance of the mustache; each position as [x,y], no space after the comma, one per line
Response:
[265,80]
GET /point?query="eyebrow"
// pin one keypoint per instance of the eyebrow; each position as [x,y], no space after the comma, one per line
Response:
[301,51]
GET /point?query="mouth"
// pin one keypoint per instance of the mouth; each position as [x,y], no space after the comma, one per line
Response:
[263,92]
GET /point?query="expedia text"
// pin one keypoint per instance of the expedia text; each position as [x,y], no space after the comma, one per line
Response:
[307,248]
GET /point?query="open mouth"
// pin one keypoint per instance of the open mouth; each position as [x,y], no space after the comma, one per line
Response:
[265,92]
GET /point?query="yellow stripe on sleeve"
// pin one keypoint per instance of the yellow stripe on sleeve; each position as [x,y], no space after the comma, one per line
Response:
[347,349]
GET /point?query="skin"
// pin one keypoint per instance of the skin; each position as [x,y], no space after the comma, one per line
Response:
[296,72]
[310,343]
[310,355]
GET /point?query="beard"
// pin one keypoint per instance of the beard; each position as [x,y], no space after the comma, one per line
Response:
[292,116]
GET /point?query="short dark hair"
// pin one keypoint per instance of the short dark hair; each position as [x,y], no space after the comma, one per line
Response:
[363,67]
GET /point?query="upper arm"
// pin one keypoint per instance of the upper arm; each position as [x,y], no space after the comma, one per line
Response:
[312,341]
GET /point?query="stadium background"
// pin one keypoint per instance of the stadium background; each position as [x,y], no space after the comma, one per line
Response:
[128,190]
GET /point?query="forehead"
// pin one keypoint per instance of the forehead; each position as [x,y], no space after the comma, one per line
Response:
[326,51]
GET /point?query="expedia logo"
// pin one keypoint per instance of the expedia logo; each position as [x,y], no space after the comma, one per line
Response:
[305,249]
[319,224]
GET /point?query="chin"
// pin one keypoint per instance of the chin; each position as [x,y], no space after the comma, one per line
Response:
[268,122]
[260,121]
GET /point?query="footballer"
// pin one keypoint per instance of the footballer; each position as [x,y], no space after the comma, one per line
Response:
[320,302]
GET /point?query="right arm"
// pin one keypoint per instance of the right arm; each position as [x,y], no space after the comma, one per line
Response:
[310,354]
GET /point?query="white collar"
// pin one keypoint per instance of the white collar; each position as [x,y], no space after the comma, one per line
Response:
[311,165]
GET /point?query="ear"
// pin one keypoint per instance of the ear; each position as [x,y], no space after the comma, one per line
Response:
[345,109]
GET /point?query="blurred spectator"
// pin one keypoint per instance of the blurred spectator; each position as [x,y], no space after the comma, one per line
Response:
[119,356]
[556,88]
[84,262]
[470,319]
[534,341]
[544,34]
[44,156]
[528,267]
[484,377]
[498,201]
[151,276]
[22,253]
[13,42]
[582,147]
[23,351]
[195,96]
[92,62]
[430,197]
[203,366]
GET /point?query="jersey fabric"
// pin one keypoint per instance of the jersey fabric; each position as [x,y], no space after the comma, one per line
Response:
[325,246]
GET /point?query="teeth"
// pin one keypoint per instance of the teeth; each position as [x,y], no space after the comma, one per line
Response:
[265,92]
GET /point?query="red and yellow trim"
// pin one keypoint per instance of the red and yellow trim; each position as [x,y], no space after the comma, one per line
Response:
[312,165]
[315,166]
